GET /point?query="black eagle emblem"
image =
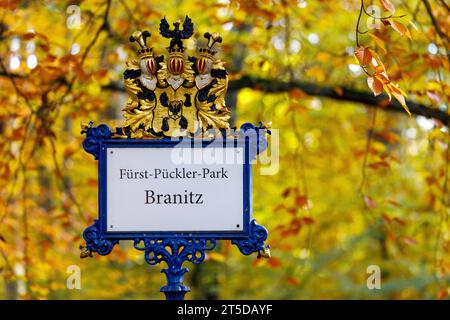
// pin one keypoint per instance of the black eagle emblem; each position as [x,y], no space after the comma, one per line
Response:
[176,34]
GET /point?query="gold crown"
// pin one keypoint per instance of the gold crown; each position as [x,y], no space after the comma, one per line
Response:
[145,53]
[174,50]
[207,53]
[141,39]
[176,54]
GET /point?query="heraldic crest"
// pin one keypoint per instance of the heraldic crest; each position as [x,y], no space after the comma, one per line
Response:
[178,96]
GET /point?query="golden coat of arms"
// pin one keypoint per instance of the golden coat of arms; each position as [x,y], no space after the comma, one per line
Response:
[178,96]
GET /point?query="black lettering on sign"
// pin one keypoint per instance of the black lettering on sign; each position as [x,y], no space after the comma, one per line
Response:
[149,196]
[173,198]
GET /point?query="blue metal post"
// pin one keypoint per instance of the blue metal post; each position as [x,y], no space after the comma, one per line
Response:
[175,290]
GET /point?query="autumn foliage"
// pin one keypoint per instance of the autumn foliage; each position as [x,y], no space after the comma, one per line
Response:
[358,90]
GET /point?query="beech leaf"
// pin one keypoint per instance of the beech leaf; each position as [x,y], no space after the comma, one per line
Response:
[380,43]
[363,55]
[387,4]
[400,98]
[376,85]
[399,27]
[301,201]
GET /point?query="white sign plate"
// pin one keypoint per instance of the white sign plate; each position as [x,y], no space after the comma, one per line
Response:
[149,190]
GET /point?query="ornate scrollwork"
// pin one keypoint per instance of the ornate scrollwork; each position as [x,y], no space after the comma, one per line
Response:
[174,251]
[255,242]
[95,243]
[181,249]
[257,137]
[94,136]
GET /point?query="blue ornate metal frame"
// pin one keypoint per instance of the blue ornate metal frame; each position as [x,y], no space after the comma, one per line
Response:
[174,248]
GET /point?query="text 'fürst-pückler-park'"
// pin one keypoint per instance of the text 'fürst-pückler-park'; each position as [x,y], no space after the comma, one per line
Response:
[187,197]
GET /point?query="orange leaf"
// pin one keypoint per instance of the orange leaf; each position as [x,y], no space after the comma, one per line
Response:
[297,93]
[399,27]
[292,281]
[442,294]
[395,88]
[388,6]
[394,203]
[29,35]
[339,91]
[378,64]
[300,201]
[375,85]
[389,137]
[274,262]
[399,221]
[92,182]
[379,164]
[381,74]
[256,262]
[386,218]
[363,55]
[100,74]
[307,220]
[11,4]
[17,133]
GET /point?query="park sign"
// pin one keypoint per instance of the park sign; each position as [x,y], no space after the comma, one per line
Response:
[170,186]
[175,178]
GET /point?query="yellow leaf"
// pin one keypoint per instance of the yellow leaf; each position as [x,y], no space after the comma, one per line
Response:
[379,42]
[216,256]
[408,34]
[395,88]
[400,98]
[412,24]
[437,134]
[387,90]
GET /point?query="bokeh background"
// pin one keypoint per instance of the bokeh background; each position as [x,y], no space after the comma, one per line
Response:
[360,182]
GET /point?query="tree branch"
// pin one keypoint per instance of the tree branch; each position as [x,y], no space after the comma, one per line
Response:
[343,94]
[312,89]
[435,23]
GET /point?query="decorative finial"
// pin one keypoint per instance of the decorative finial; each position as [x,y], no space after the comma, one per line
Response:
[265,254]
[212,38]
[141,39]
